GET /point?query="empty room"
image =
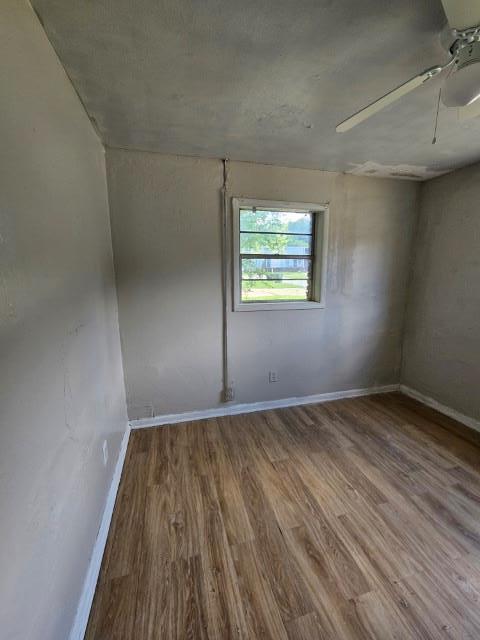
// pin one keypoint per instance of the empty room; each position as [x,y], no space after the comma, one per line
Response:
[239,320]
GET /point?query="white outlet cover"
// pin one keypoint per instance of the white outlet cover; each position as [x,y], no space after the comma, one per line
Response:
[105,452]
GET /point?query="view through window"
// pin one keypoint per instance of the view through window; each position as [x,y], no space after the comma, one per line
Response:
[276,255]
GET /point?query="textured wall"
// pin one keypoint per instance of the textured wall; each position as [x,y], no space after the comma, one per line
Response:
[166,218]
[61,387]
[442,340]
[165,215]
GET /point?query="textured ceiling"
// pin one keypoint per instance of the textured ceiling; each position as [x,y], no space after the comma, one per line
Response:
[263,81]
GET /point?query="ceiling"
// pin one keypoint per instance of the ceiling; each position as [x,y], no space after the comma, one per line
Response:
[263,81]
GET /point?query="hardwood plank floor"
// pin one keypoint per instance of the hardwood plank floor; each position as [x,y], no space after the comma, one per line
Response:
[350,520]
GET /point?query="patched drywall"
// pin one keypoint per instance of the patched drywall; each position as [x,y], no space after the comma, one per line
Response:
[166,224]
[401,171]
[262,81]
[442,339]
[61,381]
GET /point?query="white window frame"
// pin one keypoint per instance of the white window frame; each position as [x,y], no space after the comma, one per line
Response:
[319,266]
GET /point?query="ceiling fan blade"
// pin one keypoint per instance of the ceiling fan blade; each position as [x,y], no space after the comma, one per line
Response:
[387,99]
[470,111]
[462,13]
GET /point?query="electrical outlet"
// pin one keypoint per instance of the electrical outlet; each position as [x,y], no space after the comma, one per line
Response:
[105,452]
[272,376]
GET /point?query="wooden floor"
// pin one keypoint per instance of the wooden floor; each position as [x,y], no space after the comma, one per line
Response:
[347,520]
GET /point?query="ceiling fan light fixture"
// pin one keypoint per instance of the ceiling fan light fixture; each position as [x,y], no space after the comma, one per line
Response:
[462,87]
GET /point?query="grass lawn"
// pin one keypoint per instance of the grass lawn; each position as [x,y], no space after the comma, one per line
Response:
[268,291]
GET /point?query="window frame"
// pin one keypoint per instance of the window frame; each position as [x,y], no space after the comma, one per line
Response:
[319,258]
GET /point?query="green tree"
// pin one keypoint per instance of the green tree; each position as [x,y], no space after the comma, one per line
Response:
[267,222]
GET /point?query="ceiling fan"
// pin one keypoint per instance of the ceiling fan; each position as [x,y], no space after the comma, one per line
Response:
[461,87]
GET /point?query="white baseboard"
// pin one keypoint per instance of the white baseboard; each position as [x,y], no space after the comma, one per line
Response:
[234,409]
[442,408]
[88,591]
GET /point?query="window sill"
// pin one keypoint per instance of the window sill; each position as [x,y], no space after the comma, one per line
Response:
[278,306]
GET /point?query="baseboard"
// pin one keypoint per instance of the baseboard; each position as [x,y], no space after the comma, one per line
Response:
[234,409]
[442,408]
[88,591]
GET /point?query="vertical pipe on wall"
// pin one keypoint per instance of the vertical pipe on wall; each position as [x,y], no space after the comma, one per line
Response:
[227,393]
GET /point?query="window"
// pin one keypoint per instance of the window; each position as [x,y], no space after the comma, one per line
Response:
[279,255]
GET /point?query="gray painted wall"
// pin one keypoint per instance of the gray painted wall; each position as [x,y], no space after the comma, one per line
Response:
[61,386]
[442,339]
[166,224]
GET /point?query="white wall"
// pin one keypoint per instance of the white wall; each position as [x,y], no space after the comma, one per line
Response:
[166,225]
[61,386]
[442,338]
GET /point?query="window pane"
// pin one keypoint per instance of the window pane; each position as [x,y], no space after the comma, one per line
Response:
[275,243]
[274,291]
[277,221]
[275,279]
[276,269]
